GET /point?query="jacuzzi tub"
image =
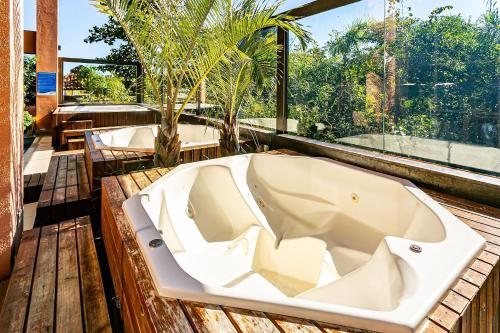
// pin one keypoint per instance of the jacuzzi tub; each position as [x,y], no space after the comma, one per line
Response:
[142,138]
[303,237]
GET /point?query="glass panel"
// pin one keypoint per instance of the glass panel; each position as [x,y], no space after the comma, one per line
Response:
[94,83]
[437,97]
[443,100]
[335,85]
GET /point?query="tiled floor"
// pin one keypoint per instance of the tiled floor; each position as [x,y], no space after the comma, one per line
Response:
[29,215]
[37,157]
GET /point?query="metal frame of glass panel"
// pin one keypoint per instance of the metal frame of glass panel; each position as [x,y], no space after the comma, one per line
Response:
[312,8]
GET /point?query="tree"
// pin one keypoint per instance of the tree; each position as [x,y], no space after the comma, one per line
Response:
[180,42]
[100,87]
[29,81]
[122,51]
[249,70]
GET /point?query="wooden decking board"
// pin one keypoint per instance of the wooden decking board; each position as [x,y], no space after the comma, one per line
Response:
[33,186]
[16,302]
[41,313]
[471,305]
[56,267]
[68,287]
[65,192]
[94,305]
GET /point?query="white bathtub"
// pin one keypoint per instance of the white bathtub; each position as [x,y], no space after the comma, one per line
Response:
[303,237]
[142,138]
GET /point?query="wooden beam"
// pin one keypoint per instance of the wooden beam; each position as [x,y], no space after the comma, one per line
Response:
[318,6]
[29,42]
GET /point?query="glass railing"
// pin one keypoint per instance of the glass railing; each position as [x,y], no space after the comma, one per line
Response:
[413,78]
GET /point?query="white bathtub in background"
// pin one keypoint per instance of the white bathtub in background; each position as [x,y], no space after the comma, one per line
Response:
[303,237]
[142,138]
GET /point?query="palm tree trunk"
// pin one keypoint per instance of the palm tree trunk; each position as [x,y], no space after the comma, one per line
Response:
[229,136]
[167,144]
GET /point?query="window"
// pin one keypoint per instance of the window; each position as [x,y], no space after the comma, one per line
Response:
[100,83]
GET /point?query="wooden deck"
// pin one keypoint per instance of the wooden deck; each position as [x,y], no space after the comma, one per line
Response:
[65,192]
[470,305]
[101,163]
[33,187]
[56,282]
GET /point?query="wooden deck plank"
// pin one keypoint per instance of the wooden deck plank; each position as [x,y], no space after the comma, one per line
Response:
[444,317]
[128,185]
[208,318]
[248,321]
[68,314]
[15,304]
[42,305]
[50,177]
[61,172]
[455,301]
[95,312]
[152,174]
[141,179]
[34,179]
[288,324]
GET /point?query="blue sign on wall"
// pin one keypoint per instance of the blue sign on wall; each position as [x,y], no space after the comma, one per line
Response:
[46,83]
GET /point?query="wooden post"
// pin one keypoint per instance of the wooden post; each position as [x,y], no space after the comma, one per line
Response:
[46,62]
[282,78]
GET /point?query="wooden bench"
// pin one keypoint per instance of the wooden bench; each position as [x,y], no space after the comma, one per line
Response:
[56,282]
[101,162]
[65,192]
[470,305]
[33,186]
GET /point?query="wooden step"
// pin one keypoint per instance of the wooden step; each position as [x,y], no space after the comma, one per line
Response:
[76,143]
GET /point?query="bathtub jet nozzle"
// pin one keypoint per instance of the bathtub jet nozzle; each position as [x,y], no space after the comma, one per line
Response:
[415,248]
[157,242]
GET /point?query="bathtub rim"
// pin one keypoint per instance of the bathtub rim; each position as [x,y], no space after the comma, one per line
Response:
[99,145]
[339,314]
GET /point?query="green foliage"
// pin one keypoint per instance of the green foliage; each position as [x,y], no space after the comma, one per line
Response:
[122,50]
[29,80]
[440,79]
[28,120]
[101,88]
[179,44]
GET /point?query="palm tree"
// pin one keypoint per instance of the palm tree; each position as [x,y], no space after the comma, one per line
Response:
[179,42]
[252,67]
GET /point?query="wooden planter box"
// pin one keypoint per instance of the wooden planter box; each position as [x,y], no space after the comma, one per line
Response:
[471,304]
[101,163]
